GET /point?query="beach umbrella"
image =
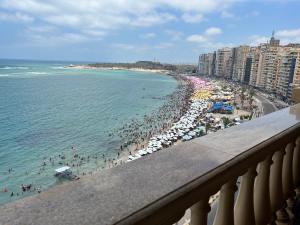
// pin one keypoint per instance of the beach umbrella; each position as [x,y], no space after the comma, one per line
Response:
[192,133]
[186,137]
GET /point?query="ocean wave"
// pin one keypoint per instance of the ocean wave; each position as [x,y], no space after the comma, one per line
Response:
[14,68]
[24,75]
[58,67]
[37,73]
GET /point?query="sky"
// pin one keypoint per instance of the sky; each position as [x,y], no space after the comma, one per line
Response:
[169,31]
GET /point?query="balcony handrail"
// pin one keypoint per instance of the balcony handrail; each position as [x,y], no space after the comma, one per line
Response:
[211,182]
[159,188]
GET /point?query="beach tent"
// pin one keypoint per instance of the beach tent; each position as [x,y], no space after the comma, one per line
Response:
[62,169]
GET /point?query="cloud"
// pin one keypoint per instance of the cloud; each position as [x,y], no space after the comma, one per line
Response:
[123,46]
[29,6]
[258,39]
[42,29]
[226,14]
[94,33]
[16,17]
[143,47]
[164,45]
[212,45]
[288,36]
[288,33]
[192,18]
[174,35]
[39,39]
[212,31]
[151,19]
[107,14]
[253,13]
[196,38]
[208,34]
[148,35]
[207,40]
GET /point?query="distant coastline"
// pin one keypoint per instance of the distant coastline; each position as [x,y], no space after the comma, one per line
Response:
[141,66]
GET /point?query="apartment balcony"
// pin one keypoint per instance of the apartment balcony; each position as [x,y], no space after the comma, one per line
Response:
[263,155]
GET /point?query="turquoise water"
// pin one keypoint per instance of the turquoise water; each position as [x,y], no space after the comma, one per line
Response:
[46,108]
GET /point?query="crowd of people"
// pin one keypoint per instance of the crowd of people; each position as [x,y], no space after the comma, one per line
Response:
[136,133]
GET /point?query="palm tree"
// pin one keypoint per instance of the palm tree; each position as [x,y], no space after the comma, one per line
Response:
[207,127]
[242,96]
[226,121]
[251,94]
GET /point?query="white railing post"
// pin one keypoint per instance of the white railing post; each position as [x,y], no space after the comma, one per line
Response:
[262,204]
[296,166]
[244,208]
[225,211]
[199,212]
[276,193]
[287,177]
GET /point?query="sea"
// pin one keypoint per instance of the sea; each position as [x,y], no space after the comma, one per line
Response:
[48,110]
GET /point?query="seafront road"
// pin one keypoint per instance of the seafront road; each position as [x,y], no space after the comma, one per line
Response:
[267,105]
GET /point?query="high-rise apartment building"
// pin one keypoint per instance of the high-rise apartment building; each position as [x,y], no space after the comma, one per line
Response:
[223,63]
[239,62]
[206,64]
[271,67]
[261,73]
[289,73]
[247,72]
[254,54]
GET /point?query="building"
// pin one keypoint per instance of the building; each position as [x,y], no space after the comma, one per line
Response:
[274,42]
[269,66]
[296,95]
[272,63]
[289,72]
[206,64]
[201,64]
[239,62]
[223,63]
[261,74]
[254,54]
[247,72]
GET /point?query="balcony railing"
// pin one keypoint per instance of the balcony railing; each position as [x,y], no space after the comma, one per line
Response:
[262,154]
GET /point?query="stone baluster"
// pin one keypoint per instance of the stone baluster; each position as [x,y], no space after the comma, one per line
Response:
[296,166]
[287,177]
[199,212]
[276,193]
[262,204]
[244,207]
[296,179]
[225,211]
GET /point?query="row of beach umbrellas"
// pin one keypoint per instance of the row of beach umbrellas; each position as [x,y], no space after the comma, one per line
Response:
[185,129]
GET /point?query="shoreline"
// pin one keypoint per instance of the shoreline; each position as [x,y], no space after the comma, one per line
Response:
[133,149]
[136,69]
